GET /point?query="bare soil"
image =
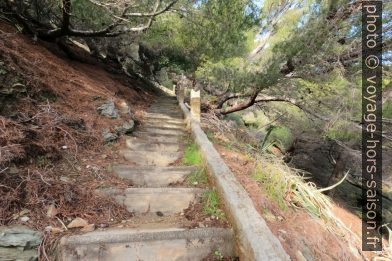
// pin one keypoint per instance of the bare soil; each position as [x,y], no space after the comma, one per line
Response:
[52,150]
[295,228]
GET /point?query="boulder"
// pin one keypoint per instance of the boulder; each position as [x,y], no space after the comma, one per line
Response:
[19,236]
[18,254]
[19,243]
[109,136]
[77,223]
[108,109]
[126,128]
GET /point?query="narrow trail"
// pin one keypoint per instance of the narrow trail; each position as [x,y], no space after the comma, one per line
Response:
[158,230]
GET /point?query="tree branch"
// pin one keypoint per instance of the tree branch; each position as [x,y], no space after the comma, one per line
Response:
[155,12]
[241,105]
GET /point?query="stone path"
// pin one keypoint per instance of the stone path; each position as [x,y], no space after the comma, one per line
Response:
[158,232]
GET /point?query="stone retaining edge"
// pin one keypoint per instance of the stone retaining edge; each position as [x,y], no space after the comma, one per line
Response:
[254,238]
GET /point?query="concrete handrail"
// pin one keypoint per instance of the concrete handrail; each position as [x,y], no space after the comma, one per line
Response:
[254,238]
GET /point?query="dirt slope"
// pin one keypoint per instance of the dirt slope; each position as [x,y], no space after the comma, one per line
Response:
[52,152]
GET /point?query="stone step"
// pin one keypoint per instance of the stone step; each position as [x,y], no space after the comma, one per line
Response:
[178,122]
[161,124]
[134,143]
[147,244]
[167,101]
[163,130]
[153,176]
[151,158]
[157,137]
[168,201]
[164,116]
[165,107]
[172,112]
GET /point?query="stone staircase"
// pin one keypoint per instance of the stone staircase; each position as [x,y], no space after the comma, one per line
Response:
[158,230]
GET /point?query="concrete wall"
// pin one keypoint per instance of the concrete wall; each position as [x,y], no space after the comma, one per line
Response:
[254,238]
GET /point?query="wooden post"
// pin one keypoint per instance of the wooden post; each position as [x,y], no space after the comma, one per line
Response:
[195,105]
[180,93]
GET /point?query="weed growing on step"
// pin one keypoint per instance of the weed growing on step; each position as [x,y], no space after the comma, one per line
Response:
[192,155]
[211,203]
[198,177]
[218,255]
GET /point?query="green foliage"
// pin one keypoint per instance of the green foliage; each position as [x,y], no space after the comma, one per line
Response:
[279,136]
[218,255]
[234,117]
[210,33]
[344,131]
[89,15]
[203,32]
[211,203]
[255,118]
[387,110]
[287,186]
[274,184]
[192,155]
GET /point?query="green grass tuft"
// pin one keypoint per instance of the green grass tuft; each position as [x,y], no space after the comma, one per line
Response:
[211,203]
[288,186]
[344,131]
[198,177]
[192,155]
[273,183]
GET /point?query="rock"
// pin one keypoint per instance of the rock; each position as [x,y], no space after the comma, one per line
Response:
[19,236]
[126,128]
[88,228]
[124,108]
[109,136]
[52,211]
[108,109]
[22,213]
[54,230]
[18,254]
[24,219]
[13,170]
[77,222]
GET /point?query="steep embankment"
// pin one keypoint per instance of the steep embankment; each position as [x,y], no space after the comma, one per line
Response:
[52,151]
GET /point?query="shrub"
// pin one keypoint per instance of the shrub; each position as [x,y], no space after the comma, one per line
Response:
[280,136]
[344,131]
[235,117]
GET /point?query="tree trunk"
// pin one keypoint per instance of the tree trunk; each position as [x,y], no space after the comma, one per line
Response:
[241,105]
